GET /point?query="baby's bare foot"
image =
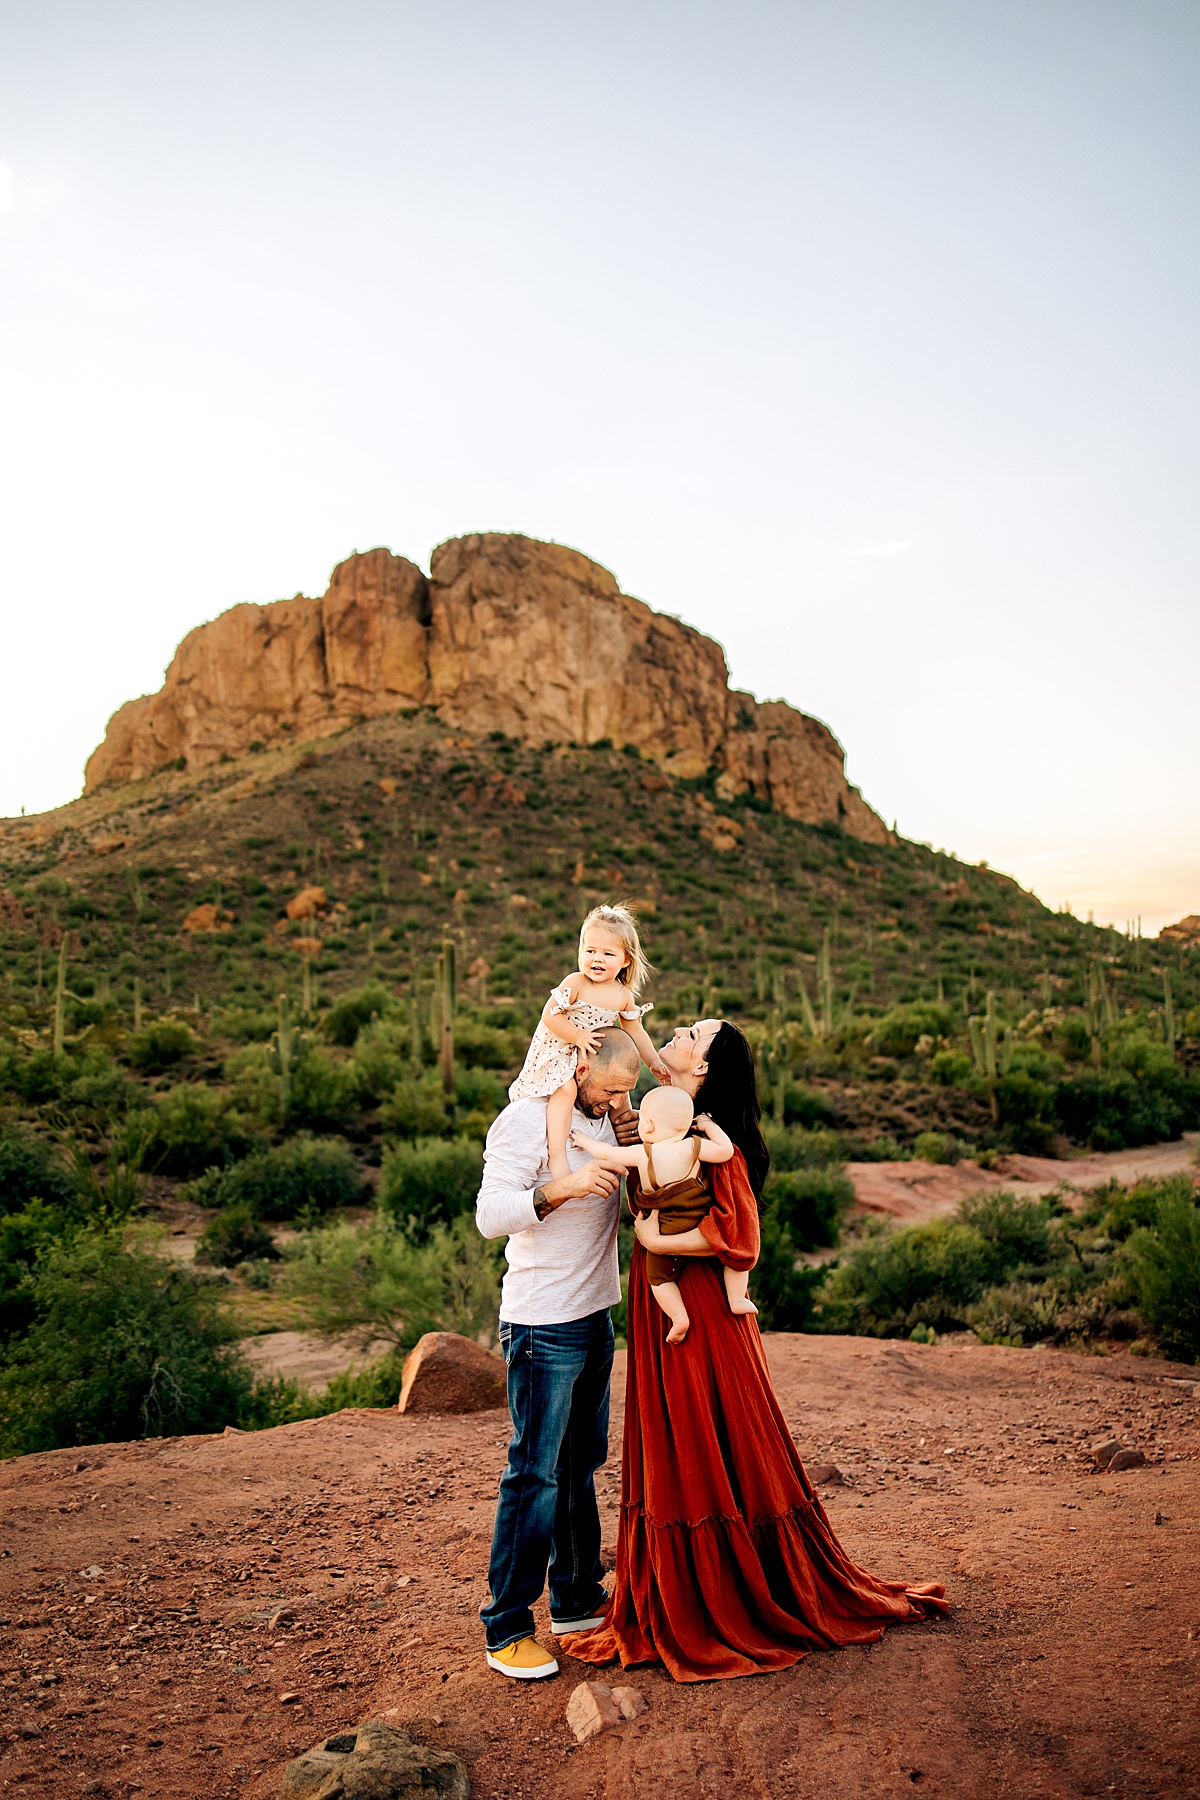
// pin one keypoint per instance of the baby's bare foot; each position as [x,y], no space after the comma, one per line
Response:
[679,1331]
[742,1306]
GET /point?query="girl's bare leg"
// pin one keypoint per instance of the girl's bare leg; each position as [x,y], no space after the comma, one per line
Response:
[671,1300]
[559,1108]
[737,1281]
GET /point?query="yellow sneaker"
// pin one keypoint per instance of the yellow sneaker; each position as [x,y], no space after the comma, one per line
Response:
[524,1661]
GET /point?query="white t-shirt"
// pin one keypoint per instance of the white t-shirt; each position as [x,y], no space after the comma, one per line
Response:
[564,1266]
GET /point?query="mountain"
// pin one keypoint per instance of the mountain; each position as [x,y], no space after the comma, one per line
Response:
[506,635]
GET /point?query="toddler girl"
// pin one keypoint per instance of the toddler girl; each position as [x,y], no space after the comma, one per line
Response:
[670,1184]
[602,992]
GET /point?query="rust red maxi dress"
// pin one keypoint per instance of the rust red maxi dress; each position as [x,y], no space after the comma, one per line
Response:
[726,1562]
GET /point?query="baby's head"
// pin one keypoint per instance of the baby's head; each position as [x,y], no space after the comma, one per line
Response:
[666,1112]
[609,948]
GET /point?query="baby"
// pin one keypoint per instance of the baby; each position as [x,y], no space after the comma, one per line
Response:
[670,1184]
[602,992]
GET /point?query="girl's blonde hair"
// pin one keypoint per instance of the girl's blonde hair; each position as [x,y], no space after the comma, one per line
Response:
[623,926]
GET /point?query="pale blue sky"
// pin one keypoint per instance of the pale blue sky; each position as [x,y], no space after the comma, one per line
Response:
[861,335]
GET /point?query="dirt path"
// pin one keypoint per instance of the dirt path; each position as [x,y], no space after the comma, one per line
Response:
[910,1192]
[141,1582]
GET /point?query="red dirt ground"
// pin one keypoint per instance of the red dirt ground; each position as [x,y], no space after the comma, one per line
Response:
[140,1582]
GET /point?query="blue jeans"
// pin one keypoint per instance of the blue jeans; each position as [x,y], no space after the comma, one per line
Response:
[558,1378]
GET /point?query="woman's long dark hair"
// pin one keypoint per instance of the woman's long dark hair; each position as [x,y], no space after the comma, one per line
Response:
[729,1093]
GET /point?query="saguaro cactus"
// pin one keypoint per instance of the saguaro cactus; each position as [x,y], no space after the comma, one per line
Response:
[446,987]
[1168,1012]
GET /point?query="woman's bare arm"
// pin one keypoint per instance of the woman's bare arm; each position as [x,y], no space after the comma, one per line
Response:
[688,1243]
[716,1146]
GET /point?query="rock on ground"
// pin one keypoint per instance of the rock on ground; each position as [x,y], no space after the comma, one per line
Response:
[374,1761]
[446,1373]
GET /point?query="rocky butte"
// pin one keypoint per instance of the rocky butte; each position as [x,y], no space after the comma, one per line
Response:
[506,634]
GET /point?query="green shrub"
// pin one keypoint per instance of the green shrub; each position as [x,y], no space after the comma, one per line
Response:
[355,1010]
[1026,1111]
[323,1092]
[416,1107]
[383,1056]
[479,1096]
[1121,1210]
[124,1344]
[1019,1231]
[192,1127]
[24,1236]
[899,1030]
[430,1182]
[1166,1265]
[483,1046]
[1112,1109]
[31,1169]
[809,1204]
[235,1236]
[951,1068]
[893,1280]
[159,1045]
[792,1147]
[381,1286]
[781,1286]
[936,1147]
[306,1174]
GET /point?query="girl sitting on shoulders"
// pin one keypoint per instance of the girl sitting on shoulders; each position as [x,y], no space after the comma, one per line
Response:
[602,992]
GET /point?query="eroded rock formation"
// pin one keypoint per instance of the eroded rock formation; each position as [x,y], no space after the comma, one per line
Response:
[507,634]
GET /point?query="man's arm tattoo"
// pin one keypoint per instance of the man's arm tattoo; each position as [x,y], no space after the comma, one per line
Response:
[541,1205]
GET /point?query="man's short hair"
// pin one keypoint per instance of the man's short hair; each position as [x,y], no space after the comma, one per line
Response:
[615,1046]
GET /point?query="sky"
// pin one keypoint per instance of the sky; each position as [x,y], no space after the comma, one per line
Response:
[861,334]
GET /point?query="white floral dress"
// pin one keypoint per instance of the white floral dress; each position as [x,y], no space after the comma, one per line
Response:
[549,1062]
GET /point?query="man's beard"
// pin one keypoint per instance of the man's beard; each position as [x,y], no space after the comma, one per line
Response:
[588,1104]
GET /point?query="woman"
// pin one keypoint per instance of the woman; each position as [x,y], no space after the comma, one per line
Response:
[726,1562]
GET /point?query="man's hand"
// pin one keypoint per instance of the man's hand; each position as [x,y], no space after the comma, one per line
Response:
[625,1125]
[580,1184]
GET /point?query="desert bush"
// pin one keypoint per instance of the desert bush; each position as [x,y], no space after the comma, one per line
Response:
[24,1236]
[416,1107]
[430,1182]
[191,1127]
[782,1286]
[236,1236]
[937,1147]
[324,1092]
[1165,1260]
[355,1010]
[380,1286]
[792,1147]
[1019,1231]
[1017,1313]
[479,1095]
[809,1204]
[124,1344]
[1115,1108]
[305,1174]
[1119,1211]
[951,1068]
[893,1280]
[32,1169]
[898,1032]
[159,1045]
[383,1056]
[1027,1111]
[484,1046]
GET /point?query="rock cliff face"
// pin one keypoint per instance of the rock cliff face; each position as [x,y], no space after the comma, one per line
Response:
[508,634]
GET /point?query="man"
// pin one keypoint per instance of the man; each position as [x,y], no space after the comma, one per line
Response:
[557,1339]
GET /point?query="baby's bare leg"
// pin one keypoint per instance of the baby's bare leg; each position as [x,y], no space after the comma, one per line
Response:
[559,1108]
[671,1300]
[737,1281]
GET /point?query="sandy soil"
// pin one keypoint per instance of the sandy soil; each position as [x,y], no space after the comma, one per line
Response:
[909,1192]
[141,1584]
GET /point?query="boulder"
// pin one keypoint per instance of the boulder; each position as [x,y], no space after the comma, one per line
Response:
[1103,1451]
[205,918]
[508,634]
[1127,1459]
[446,1373]
[307,903]
[629,1703]
[373,1762]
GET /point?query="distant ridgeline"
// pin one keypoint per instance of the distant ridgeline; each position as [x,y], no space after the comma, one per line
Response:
[473,759]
